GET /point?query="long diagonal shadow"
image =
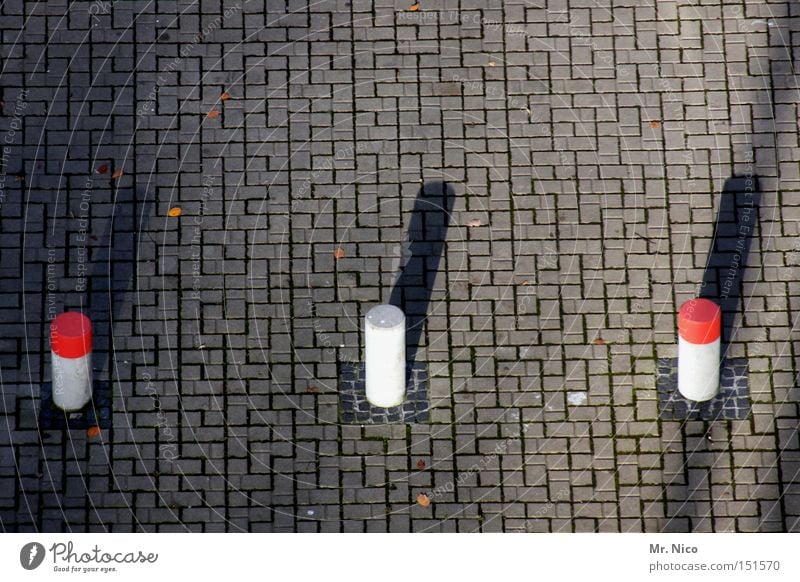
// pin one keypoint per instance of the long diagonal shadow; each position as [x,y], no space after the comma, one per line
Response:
[113,264]
[727,259]
[422,253]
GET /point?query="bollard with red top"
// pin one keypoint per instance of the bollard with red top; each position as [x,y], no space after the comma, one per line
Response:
[699,339]
[71,346]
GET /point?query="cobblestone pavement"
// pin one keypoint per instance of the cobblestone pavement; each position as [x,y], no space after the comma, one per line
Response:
[586,141]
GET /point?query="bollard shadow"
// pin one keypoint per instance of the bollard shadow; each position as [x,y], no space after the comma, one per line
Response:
[737,217]
[113,264]
[422,253]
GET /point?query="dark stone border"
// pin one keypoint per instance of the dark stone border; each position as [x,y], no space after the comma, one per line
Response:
[355,409]
[96,413]
[732,402]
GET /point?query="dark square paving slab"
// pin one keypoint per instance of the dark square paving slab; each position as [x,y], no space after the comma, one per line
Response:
[732,402]
[355,409]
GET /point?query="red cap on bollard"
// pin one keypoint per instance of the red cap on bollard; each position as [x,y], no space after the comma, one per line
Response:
[700,321]
[71,335]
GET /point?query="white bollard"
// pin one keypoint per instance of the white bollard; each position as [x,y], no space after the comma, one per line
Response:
[71,348]
[699,335]
[385,341]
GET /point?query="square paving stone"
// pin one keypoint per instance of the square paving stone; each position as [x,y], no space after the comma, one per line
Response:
[96,413]
[355,409]
[732,402]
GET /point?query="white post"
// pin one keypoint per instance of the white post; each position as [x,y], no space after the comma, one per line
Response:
[385,341]
[71,349]
[699,338]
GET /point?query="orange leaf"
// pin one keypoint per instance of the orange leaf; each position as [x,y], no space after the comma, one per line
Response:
[423,500]
[93,431]
[421,465]
[102,169]
[175,211]
[414,7]
[117,174]
[599,341]
[655,124]
[224,97]
[525,282]
[213,114]
[338,253]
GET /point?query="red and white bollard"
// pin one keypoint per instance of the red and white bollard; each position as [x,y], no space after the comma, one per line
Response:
[71,348]
[699,338]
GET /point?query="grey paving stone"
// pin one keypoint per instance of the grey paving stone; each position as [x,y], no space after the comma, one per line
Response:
[588,168]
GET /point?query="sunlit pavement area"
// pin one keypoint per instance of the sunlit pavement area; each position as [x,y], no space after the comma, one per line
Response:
[225,188]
